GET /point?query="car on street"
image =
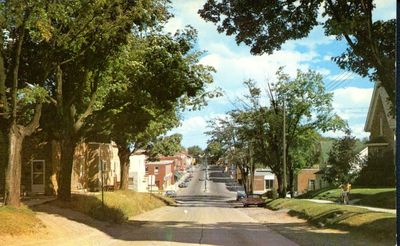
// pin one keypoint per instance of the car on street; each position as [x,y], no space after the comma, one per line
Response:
[183,185]
[170,193]
[253,199]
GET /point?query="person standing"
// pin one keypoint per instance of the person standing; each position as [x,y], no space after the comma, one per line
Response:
[345,192]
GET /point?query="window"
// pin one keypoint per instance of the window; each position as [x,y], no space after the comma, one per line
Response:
[269,184]
[311,184]
[156,170]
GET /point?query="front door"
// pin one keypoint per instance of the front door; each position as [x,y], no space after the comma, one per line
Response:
[38,176]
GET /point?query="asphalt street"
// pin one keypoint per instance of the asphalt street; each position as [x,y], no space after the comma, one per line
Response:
[205,216]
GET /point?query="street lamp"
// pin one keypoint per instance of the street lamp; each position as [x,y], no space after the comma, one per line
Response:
[101,171]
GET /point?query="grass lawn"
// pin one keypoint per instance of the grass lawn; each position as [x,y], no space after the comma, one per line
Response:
[18,221]
[376,225]
[119,206]
[373,197]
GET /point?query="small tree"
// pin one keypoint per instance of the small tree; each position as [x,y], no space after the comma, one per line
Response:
[343,160]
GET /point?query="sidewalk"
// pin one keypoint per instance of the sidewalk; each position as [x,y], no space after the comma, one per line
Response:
[384,210]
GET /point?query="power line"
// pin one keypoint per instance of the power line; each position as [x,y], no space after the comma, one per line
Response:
[342,82]
[338,78]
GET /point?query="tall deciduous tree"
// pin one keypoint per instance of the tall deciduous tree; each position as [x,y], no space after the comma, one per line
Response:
[23,70]
[83,50]
[155,76]
[266,25]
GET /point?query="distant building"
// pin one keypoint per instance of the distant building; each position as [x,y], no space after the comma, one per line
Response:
[137,172]
[162,172]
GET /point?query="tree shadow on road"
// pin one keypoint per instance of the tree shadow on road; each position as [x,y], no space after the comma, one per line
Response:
[222,233]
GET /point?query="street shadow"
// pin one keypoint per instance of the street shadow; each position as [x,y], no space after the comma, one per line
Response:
[220,233]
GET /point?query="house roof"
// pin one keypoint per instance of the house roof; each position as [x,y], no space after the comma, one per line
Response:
[164,162]
[379,93]
[139,152]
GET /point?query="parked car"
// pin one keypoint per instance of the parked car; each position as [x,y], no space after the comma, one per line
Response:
[253,199]
[170,193]
[240,195]
[183,185]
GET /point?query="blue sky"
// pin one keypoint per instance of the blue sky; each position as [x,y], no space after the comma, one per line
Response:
[234,64]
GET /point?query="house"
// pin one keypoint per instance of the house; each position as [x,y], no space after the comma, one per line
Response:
[90,161]
[137,171]
[264,180]
[160,174]
[181,160]
[380,123]
[305,180]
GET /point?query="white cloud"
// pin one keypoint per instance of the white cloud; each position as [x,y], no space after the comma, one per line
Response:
[327,58]
[384,10]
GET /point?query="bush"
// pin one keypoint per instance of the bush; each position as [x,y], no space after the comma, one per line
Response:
[272,194]
[379,171]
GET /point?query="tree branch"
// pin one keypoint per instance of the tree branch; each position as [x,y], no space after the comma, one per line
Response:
[35,122]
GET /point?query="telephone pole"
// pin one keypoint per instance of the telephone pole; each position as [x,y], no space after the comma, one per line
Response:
[284,148]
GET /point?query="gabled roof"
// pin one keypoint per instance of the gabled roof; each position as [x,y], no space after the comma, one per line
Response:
[379,93]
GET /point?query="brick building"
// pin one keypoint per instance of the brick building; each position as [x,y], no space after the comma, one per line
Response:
[305,180]
[163,173]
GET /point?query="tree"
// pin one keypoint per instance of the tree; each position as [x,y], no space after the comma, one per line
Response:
[343,161]
[165,146]
[266,25]
[83,49]
[308,109]
[195,151]
[214,151]
[23,69]
[253,134]
[155,76]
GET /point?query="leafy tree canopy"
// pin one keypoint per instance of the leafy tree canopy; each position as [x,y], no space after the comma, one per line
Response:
[266,25]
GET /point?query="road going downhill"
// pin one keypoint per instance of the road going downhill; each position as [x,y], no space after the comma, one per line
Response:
[206,217]
[202,217]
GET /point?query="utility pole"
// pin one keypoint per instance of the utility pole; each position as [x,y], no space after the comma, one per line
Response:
[284,148]
[205,174]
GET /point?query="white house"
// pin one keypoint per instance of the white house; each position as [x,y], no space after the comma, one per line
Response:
[137,172]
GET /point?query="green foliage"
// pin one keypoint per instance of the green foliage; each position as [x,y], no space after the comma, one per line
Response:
[266,25]
[379,170]
[166,146]
[195,151]
[253,133]
[343,161]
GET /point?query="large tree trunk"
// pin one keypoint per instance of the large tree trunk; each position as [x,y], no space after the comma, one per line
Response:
[124,153]
[16,135]
[281,190]
[12,189]
[55,164]
[67,157]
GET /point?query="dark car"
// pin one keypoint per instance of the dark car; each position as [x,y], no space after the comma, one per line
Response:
[170,193]
[253,199]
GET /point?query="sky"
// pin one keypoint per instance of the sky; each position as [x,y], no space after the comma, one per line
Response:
[234,64]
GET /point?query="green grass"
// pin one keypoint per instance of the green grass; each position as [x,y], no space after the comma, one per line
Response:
[373,197]
[119,206]
[381,226]
[18,221]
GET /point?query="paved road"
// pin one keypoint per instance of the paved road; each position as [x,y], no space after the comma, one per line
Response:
[202,217]
[206,217]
